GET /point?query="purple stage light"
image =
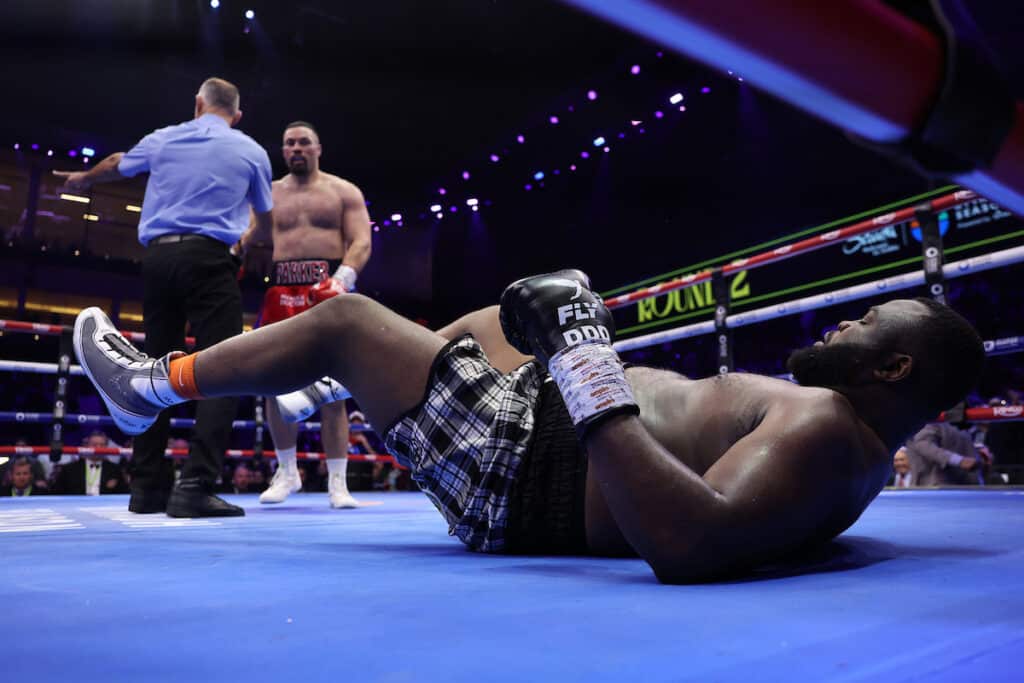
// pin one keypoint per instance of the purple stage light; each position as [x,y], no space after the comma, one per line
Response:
[591,95]
[386,222]
[572,167]
[659,54]
[495,158]
[442,191]
[520,139]
[553,120]
[572,108]
[622,136]
[584,154]
[635,69]
[705,90]
[527,187]
[607,149]
[682,107]
[658,114]
[376,228]
[642,131]
[17,145]
[465,175]
[35,146]
[72,153]
[557,172]
[454,209]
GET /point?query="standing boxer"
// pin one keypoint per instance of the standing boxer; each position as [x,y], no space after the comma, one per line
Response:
[321,238]
[204,176]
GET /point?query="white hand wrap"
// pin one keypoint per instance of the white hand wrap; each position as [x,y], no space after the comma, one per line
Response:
[591,379]
[346,275]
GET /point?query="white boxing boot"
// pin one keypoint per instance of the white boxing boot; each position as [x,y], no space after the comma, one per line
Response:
[299,405]
[337,484]
[286,480]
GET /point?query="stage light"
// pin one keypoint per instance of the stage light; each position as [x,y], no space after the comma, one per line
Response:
[376,228]
[591,95]
[49,152]
[607,149]
[527,187]
[435,207]
[682,107]
[658,114]
[17,145]
[396,217]
[495,158]
[705,90]
[520,139]
[553,120]
[585,154]
[635,123]
[35,146]
[572,167]
[598,141]
[465,175]
[472,201]
[133,208]
[72,153]
[442,191]
[249,14]
[453,209]
[214,4]
[90,217]
[676,99]
[476,208]
[88,152]
[635,69]
[622,136]
[387,223]
[75,198]
[439,214]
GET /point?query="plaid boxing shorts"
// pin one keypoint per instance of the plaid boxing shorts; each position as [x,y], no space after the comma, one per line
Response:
[466,439]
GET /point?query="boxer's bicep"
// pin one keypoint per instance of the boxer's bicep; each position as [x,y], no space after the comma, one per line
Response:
[780,484]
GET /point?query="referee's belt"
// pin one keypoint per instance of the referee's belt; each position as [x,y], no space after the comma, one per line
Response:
[181,237]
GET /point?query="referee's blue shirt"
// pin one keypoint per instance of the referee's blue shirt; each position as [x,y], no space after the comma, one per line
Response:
[204,175]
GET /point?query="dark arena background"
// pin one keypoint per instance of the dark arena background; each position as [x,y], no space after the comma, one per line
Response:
[494,140]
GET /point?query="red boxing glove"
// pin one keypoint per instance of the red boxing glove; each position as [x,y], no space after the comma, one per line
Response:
[324,290]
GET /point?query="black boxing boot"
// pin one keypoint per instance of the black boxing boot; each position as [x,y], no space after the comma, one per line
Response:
[556,318]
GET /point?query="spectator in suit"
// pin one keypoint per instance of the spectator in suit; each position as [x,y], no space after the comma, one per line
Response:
[241,480]
[902,476]
[92,475]
[941,454]
[22,481]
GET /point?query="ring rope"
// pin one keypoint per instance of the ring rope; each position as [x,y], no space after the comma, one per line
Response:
[183,452]
[951,270]
[796,248]
[176,422]
[57,330]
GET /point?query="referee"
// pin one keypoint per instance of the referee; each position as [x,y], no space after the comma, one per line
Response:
[204,176]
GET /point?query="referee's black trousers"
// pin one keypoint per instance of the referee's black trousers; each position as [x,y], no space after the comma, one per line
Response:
[193,281]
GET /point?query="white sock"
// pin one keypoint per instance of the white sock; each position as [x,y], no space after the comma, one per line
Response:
[286,459]
[338,466]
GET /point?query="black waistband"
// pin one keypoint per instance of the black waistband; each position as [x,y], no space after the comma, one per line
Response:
[303,271]
[546,509]
[182,237]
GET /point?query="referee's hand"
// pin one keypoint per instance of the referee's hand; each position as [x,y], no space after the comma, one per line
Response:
[74,181]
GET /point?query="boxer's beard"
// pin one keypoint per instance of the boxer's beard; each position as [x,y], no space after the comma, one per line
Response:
[298,168]
[831,366]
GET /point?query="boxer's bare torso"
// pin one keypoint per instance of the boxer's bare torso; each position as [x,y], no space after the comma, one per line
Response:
[722,425]
[308,217]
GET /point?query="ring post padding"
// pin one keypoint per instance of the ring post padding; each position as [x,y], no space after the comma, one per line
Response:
[932,253]
[60,396]
[257,444]
[721,294]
